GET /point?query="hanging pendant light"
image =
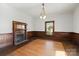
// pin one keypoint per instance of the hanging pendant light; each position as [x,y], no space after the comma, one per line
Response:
[43,13]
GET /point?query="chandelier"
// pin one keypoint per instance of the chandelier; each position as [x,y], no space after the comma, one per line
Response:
[43,13]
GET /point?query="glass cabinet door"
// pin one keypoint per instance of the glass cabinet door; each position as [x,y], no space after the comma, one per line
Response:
[20,26]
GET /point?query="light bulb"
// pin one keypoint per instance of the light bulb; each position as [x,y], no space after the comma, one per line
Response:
[40,17]
[44,17]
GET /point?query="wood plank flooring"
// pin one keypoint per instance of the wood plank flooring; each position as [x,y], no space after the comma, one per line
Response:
[42,47]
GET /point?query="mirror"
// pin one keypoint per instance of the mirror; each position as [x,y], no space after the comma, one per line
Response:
[49,27]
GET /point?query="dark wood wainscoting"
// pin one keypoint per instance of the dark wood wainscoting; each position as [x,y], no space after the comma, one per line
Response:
[30,34]
[56,36]
[62,36]
[6,39]
[75,38]
[40,34]
[67,36]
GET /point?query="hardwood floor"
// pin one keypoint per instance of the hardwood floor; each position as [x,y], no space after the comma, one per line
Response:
[42,47]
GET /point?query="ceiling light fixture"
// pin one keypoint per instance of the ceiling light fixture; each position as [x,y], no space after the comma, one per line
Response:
[43,13]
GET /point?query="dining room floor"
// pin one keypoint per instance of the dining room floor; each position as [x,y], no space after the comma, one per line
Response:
[42,47]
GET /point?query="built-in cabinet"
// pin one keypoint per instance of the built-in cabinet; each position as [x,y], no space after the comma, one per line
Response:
[19,32]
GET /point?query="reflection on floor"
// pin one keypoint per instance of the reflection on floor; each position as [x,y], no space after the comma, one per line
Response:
[42,47]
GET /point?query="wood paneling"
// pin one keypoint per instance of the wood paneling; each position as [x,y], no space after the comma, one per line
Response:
[75,38]
[30,34]
[62,35]
[57,35]
[39,34]
[6,39]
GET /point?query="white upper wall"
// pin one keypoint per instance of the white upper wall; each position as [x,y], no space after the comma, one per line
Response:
[63,22]
[8,14]
[76,20]
[30,14]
